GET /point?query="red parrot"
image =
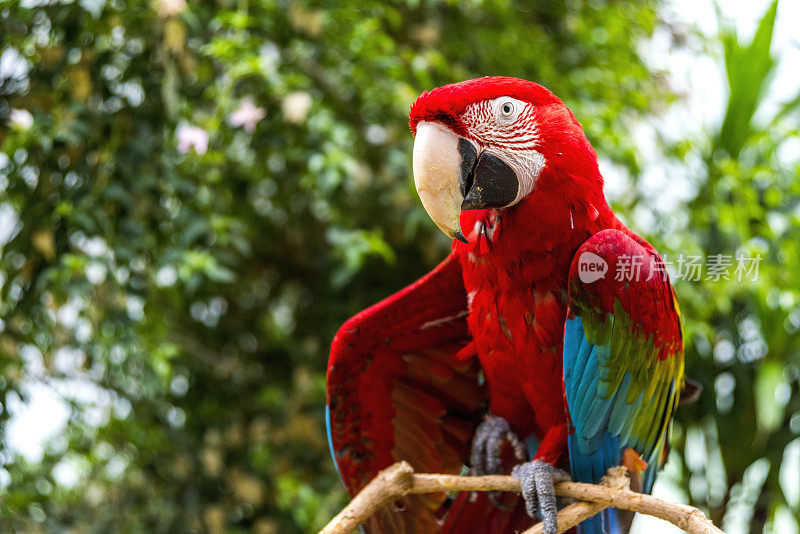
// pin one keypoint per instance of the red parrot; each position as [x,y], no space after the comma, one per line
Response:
[549,338]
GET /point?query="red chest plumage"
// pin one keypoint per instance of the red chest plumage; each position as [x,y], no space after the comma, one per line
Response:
[517,323]
[516,279]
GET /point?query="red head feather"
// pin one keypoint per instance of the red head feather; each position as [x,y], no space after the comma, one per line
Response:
[570,186]
[446,104]
[563,143]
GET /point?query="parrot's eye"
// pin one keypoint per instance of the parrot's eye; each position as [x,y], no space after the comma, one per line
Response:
[505,110]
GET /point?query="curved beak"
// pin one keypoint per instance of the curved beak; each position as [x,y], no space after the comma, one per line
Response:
[451,176]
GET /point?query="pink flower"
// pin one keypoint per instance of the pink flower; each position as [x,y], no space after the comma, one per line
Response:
[192,137]
[247,115]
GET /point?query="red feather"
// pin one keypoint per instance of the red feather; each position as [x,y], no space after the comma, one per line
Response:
[398,391]
[402,381]
[446,104]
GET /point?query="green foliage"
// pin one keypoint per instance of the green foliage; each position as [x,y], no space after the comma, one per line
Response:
[742,340]
[748,68]
[182,298]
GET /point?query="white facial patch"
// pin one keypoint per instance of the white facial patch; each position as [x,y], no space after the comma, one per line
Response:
[506,127]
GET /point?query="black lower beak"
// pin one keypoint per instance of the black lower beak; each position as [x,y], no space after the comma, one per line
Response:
[469,158]
[486,181]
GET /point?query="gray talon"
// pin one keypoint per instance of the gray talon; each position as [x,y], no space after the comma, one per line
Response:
[488,444]
[536,480]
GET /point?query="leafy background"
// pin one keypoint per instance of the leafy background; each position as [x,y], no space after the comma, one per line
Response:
[174,303]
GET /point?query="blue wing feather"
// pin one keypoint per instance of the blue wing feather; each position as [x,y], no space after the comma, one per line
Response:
[330,441]
[620,411]
[590,454]
[623,363]
[586,386]
[604,427]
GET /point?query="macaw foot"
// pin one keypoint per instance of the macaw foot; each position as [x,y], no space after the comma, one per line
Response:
[487,445]
[536,479]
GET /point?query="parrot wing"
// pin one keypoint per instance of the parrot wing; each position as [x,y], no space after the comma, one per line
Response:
[623,360]
[403,385]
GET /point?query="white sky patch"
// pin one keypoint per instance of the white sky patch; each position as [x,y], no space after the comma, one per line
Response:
[744,495]
[9,223]
[665,488]
[166,276]
[707,80]
[13,65]
[67,472]
[698,74]
[36,421]
[790,467]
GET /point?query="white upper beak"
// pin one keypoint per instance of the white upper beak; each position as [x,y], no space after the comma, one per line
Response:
[436,165]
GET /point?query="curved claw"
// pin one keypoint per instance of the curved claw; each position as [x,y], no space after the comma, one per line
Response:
[537,479]
[487,445]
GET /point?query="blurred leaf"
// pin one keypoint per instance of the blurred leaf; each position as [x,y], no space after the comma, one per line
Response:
[749,68]
[768,409]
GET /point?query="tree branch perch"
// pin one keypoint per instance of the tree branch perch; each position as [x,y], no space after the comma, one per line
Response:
[399,480]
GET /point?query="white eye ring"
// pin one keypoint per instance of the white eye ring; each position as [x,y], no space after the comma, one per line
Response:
[506,109]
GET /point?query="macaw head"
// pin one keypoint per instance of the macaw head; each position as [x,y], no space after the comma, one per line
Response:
[494,142]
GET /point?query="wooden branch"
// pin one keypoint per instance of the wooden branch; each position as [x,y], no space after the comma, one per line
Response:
[399,480]
[569,516]
[393,482]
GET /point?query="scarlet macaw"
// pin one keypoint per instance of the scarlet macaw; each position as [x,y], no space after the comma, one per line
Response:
[548,309]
